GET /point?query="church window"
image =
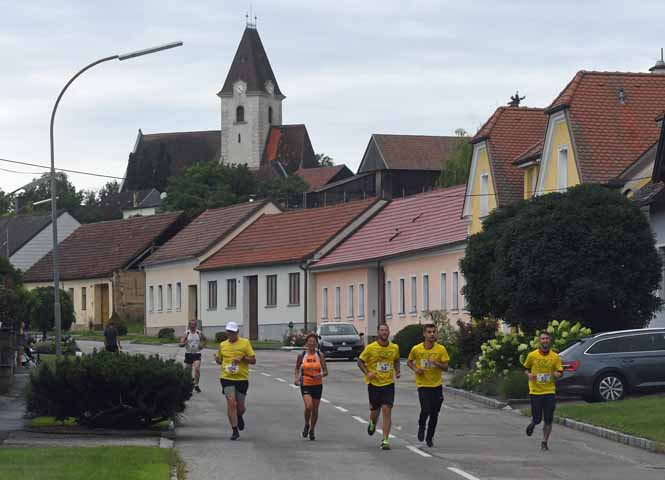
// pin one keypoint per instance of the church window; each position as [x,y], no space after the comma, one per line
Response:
[240,114]
[270,115]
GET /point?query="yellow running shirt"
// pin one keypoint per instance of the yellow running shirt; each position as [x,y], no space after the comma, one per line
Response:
[543,366]
[228,352]
[380,360]
[423,357]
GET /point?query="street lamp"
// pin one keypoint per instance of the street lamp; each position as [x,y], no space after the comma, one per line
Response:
[56,273]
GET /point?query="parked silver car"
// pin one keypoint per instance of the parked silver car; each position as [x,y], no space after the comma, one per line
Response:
[606,366]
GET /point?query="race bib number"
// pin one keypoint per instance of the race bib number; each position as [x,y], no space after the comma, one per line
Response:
[232,368]
[383,367]
[543,377]
[426,363]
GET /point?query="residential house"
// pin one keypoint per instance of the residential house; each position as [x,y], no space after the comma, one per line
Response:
[319,177]
[261,278]
[172,283]
[25,239]
[398,266]
[99,266]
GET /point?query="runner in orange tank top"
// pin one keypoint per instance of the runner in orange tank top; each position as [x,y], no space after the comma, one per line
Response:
[310,370]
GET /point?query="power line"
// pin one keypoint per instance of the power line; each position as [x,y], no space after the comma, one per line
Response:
[60,169]
[23,173]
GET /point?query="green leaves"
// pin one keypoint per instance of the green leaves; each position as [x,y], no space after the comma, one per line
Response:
[40,309]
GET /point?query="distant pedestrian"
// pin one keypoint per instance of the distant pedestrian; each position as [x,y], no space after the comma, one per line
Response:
[194,341]
[310,369]
[111,338]
[235,355]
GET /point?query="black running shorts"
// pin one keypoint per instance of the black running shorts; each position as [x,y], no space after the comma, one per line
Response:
[542,407]
[190,358]
[379,396]
[234,387]
[316,391]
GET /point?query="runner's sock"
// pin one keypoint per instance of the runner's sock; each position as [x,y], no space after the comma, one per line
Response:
[371,428]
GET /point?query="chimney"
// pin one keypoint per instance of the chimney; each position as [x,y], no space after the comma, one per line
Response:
[659,67]
[135,199]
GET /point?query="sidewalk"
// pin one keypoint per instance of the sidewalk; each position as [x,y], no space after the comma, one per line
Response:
[12,405]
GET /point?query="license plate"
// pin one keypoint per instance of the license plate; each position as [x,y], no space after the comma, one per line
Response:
[344,349]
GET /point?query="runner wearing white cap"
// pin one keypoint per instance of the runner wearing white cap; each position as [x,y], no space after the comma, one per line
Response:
[235,355]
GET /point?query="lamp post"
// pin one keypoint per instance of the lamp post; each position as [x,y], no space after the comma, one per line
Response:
[56,272]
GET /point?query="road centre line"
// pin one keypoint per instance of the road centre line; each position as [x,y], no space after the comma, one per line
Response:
[293,386]
[390,435]
[359,419]
[325,400]
[418,451]
[266,374]
[341,409]
[280,379]
[462,473]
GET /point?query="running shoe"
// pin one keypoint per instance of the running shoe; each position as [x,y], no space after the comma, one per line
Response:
[543,446]
[529,429]
[311,435]
[385,445]
[421,433]
[305,431]
[235,435]
[429,442]
[371,428]
[241,423]
[198,390]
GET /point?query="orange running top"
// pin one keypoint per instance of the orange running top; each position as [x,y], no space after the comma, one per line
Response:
[311,365]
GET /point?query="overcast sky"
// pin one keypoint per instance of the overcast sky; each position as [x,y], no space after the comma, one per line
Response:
[348,68]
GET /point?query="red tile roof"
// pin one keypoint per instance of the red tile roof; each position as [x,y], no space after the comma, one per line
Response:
[407,225]
[204,232]
[290,146]
[96,250]
[285,237]
[321,176]
[509,132]
[610,134]
[416,152]
[532,153]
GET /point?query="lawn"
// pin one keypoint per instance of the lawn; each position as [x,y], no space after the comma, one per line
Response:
[100,463]
[642,417]
[256,344]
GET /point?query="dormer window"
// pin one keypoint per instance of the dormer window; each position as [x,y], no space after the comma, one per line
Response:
[270,115]
[240,114]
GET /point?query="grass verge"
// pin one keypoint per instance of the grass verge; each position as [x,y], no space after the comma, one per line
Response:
[100,463]
[642,417]
[256,345]
[50,422]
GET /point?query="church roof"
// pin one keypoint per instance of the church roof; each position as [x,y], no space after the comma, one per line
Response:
[251,65]
[290,146]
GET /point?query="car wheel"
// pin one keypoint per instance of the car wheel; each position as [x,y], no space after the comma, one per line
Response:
[610,387]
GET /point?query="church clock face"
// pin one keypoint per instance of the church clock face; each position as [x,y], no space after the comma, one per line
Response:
[270,88]
[240,88]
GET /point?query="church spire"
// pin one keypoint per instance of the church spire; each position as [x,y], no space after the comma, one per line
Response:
[250,64]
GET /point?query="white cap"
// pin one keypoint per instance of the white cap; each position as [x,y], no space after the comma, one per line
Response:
[232,327]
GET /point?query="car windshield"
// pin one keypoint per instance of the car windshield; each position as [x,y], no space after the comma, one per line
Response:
[338,330]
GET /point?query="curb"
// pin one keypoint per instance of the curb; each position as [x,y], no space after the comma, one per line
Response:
[612,435]
[490,402]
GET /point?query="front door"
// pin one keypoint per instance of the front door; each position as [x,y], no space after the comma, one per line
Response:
[104,303]
[192,303]
[253,307]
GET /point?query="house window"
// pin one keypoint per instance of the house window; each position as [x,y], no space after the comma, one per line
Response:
[240,114]
[271,290]
[444,290]
[324,303]
[389,299]
[562,170]
[160,298]
[70,292]
[178,296]
[350,306]
[402,300]
[361,300]
[151,299]
[484,194]
[414,295]
[294,288]
[169,297]
[239,139]
[212,295]
[338,294]
[269,115]
[534,179]
[454,291]
[84,298]
[231,293]
[425,292]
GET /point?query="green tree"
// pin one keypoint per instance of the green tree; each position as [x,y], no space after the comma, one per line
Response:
[324,160]
[282,189]
[13,297]
[97,206]
[5,203]
[41,313]
[455,170]
[585,256]
[209,185]
[68,197]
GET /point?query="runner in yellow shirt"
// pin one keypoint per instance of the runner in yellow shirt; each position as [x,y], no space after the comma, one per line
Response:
[235,355]
[543,367]
[428,360]
[380,364]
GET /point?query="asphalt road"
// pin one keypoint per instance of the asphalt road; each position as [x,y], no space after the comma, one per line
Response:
[472,442]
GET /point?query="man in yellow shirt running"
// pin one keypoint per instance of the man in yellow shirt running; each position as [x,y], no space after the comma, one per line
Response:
[380,364]
[543,366]
[235,355]
[428,360]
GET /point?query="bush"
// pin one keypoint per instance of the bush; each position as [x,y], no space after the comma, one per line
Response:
[457,379]
[110,390]
[221,337]
[446,335]
[514,385]
[168,333]
[296,339]
[42,316]
[472,335]
[407,337]
[120,324]
[69,346]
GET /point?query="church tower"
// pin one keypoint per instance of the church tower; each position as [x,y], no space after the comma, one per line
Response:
[251,102]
